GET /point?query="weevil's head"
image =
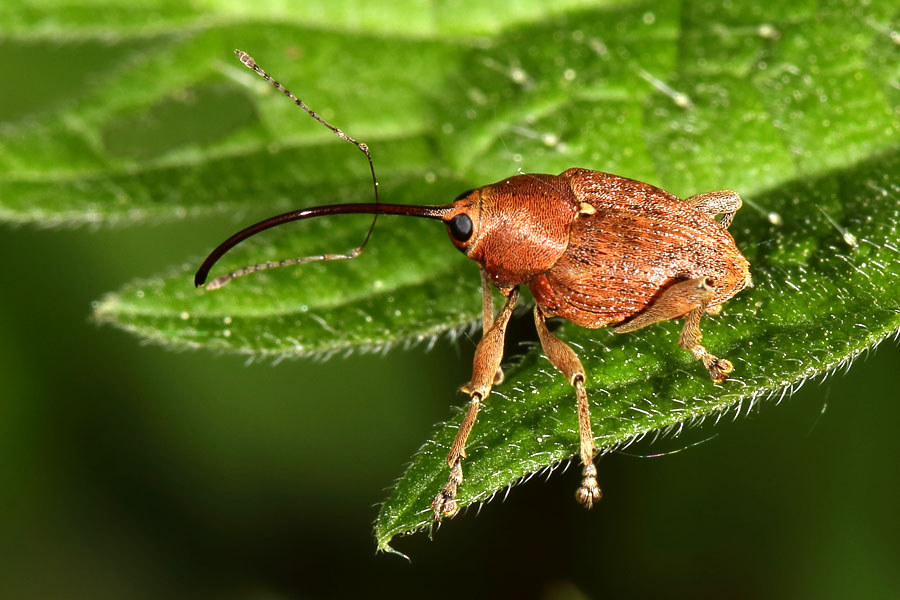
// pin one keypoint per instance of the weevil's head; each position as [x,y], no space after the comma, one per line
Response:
[515,228]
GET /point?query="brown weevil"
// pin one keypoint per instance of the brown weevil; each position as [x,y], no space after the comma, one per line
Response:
[597,249]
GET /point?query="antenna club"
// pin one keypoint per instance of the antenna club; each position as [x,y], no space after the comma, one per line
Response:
[218,282]
[245,58]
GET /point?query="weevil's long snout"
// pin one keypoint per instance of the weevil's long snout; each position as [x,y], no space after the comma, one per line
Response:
[426,212]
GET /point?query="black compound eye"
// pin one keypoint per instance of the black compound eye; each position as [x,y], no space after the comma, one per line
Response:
[460,227]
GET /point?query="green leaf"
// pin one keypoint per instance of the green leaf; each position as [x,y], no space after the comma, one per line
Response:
[782,110]
[796,107]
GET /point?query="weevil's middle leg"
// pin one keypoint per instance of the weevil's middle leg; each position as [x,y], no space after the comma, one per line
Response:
[488,355]
[723,202]
[689,299]
[564,359]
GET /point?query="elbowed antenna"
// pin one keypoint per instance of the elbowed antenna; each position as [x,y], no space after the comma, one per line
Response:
[428,212]
[375,209]
[407,210]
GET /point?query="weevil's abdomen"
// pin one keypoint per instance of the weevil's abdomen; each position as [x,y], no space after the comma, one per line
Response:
[638,241]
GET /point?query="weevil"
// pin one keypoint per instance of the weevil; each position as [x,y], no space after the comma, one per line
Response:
[596,249]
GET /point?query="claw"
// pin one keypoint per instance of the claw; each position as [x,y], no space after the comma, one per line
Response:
[589,492]
[444,503]
[719,369]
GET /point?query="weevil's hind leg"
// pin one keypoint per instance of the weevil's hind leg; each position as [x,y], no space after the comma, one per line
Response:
[688,299]
[487,316]
[564,359]
[723,202]
[488,355]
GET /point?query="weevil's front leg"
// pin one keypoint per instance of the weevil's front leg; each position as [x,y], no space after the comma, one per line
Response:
[564,359]
[487,316]
[488,355]
[723,202]
[687,299]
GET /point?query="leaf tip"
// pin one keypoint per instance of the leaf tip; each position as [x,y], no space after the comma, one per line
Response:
[107,308]
[385,546]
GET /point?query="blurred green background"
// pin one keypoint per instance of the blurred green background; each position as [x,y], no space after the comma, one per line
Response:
[130,471]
